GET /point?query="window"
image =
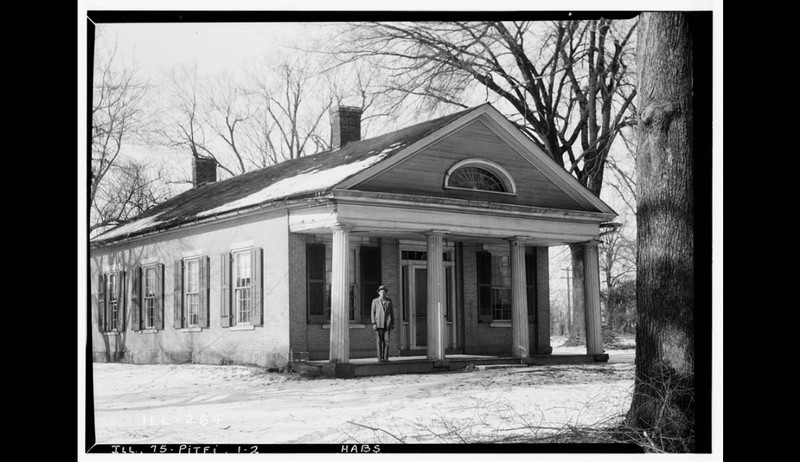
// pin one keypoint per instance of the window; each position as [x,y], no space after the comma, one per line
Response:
[480,175]
[191,292]
[241,288]
[501,288]
[150,293]
[319,264]
[111,301]
[147,297]
[191,279]
[494,286]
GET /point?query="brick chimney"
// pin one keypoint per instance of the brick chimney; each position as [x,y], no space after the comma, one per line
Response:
[204,170]
[345,125]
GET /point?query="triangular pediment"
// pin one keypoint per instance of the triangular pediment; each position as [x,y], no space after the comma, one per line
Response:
[481,136]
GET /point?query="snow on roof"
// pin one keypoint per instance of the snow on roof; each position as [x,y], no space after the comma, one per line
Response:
[303,176]
[314,180]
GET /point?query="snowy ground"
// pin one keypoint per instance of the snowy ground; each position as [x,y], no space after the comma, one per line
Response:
[196,404]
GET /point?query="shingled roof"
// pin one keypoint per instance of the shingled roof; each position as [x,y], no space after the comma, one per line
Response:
[293,179]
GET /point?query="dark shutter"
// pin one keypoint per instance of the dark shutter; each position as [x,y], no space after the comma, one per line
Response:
[121,299]
[101,303]
[225,318]
[530,283]
[177,293]
[484,270]
[315,282]
[203,295]
[159,298]
[370,278]
[256,283]
[136,299]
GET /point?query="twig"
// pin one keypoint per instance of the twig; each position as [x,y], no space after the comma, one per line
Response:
[377,430]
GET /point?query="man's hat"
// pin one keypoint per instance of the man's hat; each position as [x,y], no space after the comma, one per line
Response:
[382,288]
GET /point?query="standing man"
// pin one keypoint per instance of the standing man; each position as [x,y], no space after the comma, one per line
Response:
[382,322]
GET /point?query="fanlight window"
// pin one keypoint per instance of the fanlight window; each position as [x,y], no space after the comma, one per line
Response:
[479,174]
[476,178]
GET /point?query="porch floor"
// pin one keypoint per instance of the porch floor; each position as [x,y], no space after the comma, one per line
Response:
[363,367]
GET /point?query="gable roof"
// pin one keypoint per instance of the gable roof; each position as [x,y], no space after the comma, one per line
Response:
[306,176]
[342,168]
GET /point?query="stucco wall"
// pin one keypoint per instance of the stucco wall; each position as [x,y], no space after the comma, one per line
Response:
[266,345]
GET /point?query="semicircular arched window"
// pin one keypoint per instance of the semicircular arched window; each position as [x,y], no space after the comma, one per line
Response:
[480,175]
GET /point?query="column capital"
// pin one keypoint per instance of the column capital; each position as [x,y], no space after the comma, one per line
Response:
[517,239]
[435,232]
[340,227]
[592,243]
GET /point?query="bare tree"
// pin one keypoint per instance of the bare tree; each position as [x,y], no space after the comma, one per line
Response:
[569,83]
[185,122]
[617,265]
[290,111]
[130,188]
[118,100]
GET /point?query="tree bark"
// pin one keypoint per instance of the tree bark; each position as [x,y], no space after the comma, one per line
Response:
[663,401]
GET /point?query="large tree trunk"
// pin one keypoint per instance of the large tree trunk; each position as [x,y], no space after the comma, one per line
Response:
[663,402]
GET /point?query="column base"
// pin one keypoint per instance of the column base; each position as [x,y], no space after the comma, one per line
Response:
[544,350]
[338,370]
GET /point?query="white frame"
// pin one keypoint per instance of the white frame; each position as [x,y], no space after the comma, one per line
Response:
[451,331]
[187,293]
[145,299]
[245,253]
[111,291]
[494,167]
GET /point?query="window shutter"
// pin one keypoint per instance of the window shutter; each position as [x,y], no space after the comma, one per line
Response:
[136,299]
[256,259]
[159,298]
[370,278]
[225,318]
[177,280]
[315,282]
[530,283]
[204,285]
[484,269]
[121,299]
[101,303]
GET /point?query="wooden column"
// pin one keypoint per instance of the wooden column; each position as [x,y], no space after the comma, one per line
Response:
[436,296]
[340,314]
[520,343]
[591,271]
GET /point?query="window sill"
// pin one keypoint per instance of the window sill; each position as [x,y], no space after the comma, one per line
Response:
[192,329]
[500,324]
[113,333]
[352,326]
[148,331]
[242,327]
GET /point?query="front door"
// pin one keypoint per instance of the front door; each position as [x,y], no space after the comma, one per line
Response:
[418,306]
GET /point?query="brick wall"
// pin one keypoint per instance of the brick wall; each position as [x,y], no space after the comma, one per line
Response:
[481,338]
[316,337]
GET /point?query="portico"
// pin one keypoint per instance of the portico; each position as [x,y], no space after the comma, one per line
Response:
[442,226]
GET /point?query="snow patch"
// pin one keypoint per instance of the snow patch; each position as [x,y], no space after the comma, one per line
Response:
[311,180]
[132,227]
